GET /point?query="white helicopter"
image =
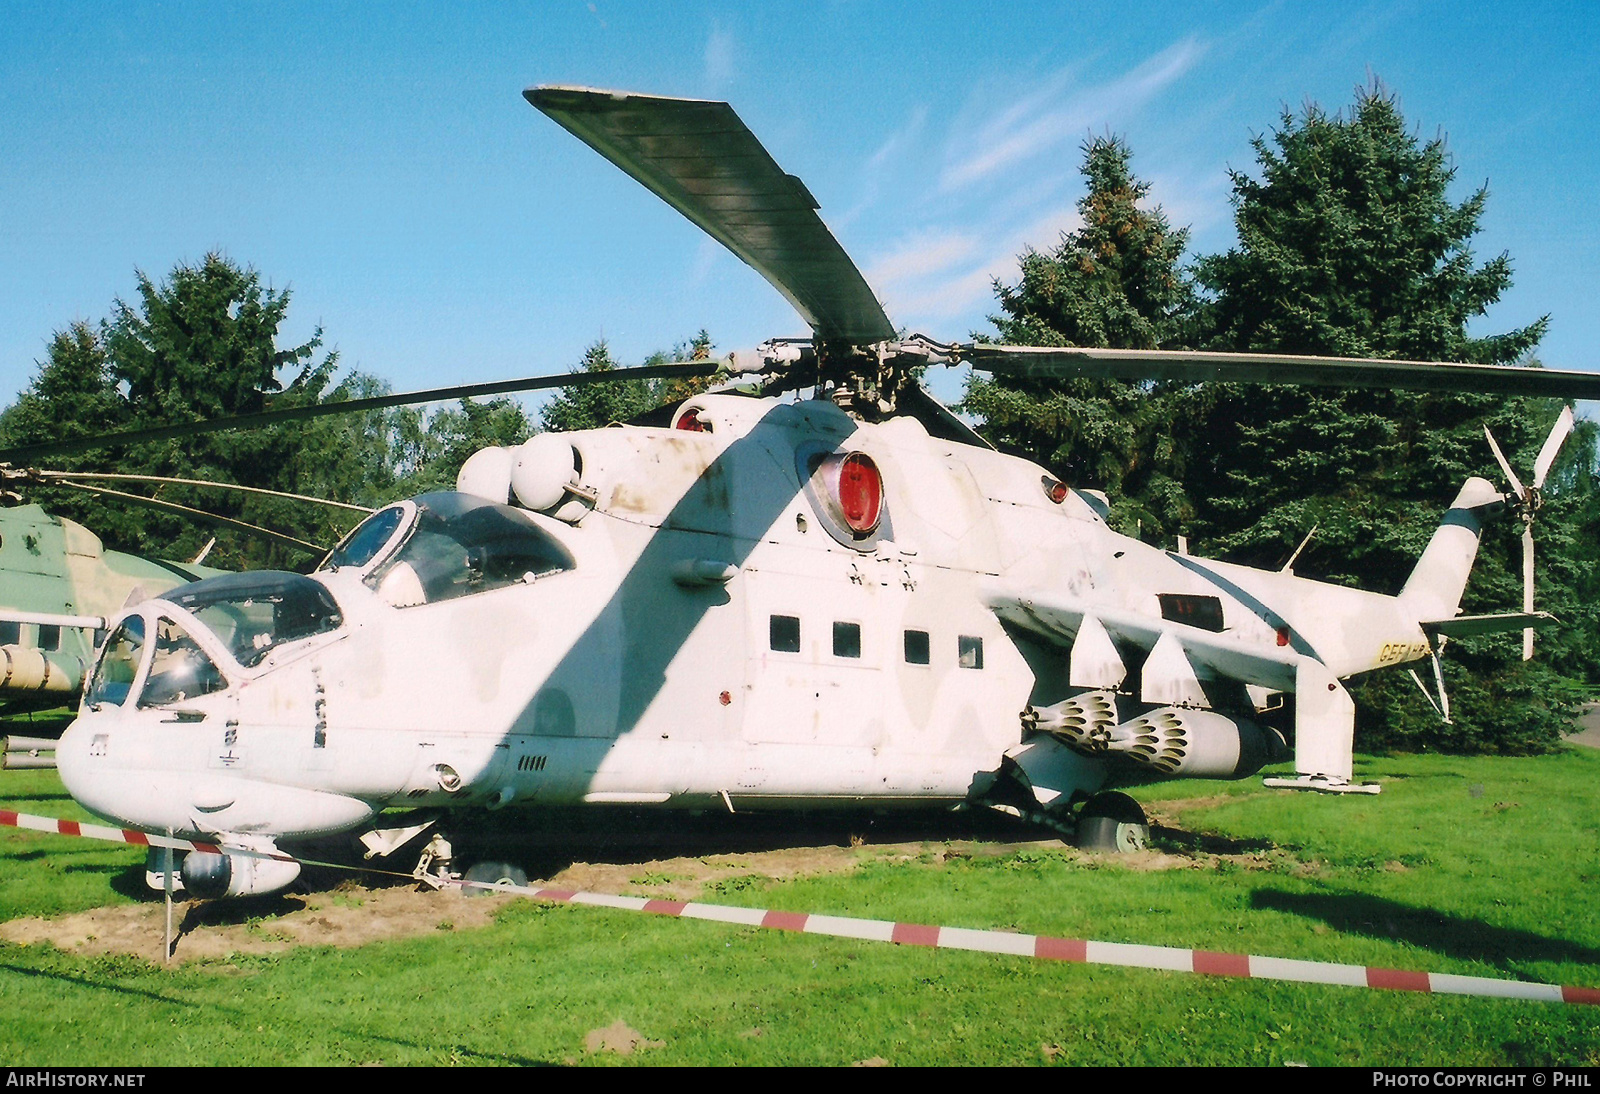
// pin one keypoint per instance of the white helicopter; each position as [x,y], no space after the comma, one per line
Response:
[840,600]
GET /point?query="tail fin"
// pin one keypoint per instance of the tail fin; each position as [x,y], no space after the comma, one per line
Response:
[1433,591]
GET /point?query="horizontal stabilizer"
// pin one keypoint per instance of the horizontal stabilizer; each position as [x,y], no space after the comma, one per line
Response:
[1465,626]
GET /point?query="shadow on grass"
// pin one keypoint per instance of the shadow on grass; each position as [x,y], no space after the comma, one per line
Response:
[545,843]
[64,851]
[1451,935]
[236,911]
[245,1017]
[85,982]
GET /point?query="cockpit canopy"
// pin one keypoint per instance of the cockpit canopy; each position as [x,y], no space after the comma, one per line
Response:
[253,612]
[249,614]
[445,545]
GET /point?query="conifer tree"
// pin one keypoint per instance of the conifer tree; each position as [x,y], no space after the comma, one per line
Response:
[1350,245]
[203,344]
[1114,281]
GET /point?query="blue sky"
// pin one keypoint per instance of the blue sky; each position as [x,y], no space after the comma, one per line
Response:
[381,162]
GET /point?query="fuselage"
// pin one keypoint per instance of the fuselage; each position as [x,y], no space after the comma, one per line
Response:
[699,624]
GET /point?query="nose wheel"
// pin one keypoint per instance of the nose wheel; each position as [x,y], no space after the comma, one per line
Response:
[1112,822]
[497,874]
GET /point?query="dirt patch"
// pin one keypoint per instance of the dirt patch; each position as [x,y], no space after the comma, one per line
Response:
[699,877]
[619,1037]
[205,930]
[352,915]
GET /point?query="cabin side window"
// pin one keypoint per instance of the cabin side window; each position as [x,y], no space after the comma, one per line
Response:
[969,652]
[847,640]
[917,648]
[784,633]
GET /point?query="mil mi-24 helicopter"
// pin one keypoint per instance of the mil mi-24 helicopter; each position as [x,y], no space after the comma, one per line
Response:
[844,599]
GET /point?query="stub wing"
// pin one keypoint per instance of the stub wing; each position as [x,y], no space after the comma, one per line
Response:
[1177,657]
[1059,617]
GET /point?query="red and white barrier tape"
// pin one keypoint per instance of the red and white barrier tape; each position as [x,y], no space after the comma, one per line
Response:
[1168,958]
[56,827]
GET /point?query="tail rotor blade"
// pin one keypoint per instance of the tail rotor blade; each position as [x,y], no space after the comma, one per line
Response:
[1505,467]
[1527,587]
[1552,445]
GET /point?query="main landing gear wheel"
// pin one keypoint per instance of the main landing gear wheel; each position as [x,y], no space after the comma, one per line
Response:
[1112,822]
[499,874]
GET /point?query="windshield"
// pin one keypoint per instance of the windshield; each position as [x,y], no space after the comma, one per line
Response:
[179,669]
[119,664]
[461,545]
[362,545]
[256,612]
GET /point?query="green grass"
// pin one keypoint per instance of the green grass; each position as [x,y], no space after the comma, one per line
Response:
[1432,874]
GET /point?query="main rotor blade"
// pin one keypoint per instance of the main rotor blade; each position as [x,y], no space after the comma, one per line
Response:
[164,480]
[699,158]
[1192,366]
[1552,445]
[29,453]
[202,516]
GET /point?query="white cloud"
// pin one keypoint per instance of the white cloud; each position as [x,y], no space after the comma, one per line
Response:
[1050,116]
[942,281]
[720,66]
[924,255]
[706,256]
[890,155]
[1199,203]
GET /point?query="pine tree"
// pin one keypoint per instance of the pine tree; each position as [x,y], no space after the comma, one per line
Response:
[1115,281]
[1349,245]
[594,406]
[591,406]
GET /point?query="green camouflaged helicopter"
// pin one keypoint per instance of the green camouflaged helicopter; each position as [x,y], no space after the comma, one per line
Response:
[58,583]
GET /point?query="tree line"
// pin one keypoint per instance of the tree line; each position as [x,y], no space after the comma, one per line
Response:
[204,344]
[1348,245]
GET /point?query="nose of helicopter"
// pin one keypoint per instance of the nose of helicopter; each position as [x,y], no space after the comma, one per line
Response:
[82,760]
